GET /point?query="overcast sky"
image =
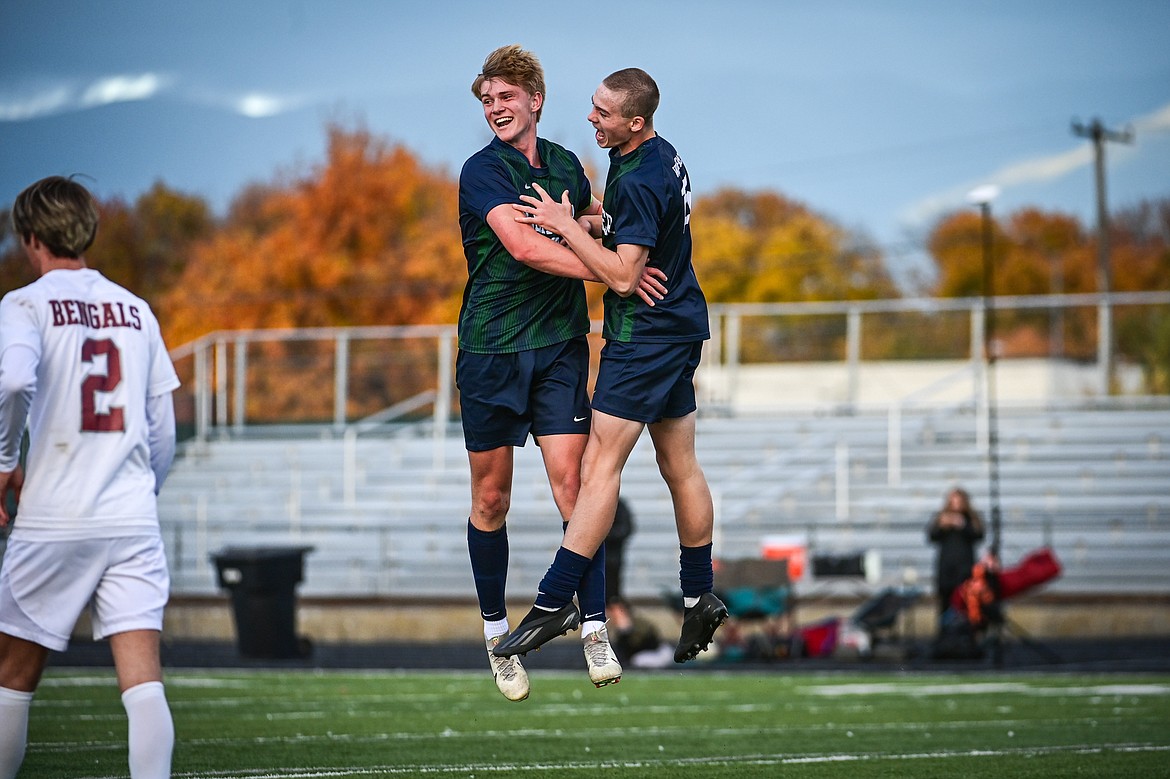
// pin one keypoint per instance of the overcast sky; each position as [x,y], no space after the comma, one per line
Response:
[878,115]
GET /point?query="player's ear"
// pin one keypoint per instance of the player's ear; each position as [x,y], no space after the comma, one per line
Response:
[637,124]
[536,101]
[31,244]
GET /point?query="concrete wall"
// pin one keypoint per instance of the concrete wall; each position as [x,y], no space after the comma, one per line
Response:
[379,620]
[805,384]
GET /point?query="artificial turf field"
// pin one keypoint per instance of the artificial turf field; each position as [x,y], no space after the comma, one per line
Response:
[690,723]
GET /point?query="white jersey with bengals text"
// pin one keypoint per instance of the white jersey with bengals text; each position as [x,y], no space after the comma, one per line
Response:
[100,355]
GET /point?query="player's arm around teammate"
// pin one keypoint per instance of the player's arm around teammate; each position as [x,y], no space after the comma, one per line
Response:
[619,269]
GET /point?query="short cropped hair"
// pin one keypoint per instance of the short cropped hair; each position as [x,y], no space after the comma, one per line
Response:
[61,213]
[512,65]
[639,93]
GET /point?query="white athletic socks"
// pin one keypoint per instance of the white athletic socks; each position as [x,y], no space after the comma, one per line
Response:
[493,628]
[590,627]
[152,731]
[13,730]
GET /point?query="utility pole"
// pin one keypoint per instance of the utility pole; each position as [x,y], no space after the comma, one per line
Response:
[1098,133]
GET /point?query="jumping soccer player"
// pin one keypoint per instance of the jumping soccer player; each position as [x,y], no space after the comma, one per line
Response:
[646,376]
[83,360]
[523,362]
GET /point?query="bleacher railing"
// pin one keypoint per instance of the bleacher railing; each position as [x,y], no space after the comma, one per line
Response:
[234,380]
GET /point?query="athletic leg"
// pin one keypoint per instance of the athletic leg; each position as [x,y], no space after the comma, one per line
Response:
[21,665]
[151,729]
[610,442]
[487,534]
[487,546]
[674,448]
[562,461]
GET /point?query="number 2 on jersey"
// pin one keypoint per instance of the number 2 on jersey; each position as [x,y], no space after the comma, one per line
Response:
[91,420]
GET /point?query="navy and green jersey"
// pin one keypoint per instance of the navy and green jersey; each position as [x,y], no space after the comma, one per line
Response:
[507,305]
[648,203]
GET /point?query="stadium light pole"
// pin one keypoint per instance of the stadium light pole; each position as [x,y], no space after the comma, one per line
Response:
[983,197]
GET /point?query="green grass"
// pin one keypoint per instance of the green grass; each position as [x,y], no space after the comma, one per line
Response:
[693,723]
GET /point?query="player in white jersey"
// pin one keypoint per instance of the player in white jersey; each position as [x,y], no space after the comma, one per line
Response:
[83,361]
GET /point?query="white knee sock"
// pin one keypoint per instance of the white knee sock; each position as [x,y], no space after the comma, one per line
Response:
[13,730]
[152,731]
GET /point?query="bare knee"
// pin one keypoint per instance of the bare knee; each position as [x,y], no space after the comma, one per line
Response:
[676,469]
[566,487]
[136,657]
[489,507]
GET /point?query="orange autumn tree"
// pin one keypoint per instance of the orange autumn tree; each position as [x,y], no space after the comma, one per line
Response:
[369,237]
[1140,254]
[1037,253]
[145,245]
[1033,253]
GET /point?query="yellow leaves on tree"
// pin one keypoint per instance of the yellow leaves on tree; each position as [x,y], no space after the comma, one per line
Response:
[763,247]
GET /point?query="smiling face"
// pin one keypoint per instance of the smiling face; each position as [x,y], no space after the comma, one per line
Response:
[611,130]
[509,110]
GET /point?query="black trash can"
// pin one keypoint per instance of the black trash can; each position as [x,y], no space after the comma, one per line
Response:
[263,582]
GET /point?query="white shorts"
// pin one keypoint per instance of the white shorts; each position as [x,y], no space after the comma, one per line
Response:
[45,585]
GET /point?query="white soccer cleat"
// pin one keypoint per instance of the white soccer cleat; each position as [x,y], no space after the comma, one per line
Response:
[510,676]
[603,664]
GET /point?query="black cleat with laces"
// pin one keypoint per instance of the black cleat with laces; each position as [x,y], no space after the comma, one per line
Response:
[538,628]
[699,625]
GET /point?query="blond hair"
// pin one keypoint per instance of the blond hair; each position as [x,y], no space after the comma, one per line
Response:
[515,66]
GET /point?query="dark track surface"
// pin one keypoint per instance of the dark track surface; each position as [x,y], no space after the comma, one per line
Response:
[1060,656]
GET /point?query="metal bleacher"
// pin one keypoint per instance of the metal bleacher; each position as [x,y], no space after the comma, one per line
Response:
[386,512]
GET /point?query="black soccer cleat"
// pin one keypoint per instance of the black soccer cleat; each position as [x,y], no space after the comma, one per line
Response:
[538,628]
[699,625]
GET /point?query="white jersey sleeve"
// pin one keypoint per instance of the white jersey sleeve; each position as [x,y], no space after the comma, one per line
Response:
[18,383]
[160,423]
[90,470]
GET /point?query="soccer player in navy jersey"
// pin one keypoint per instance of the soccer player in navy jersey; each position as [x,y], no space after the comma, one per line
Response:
[646,375]
[523,362]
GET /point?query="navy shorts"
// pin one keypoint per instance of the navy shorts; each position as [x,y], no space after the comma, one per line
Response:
[647,382]
[504,397]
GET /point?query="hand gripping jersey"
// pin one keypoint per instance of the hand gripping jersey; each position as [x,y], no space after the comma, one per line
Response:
[507,305]
[100,355]
[648,203]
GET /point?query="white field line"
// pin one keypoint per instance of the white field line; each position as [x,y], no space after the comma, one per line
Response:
[844,728]
[733,760]
[984,688]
